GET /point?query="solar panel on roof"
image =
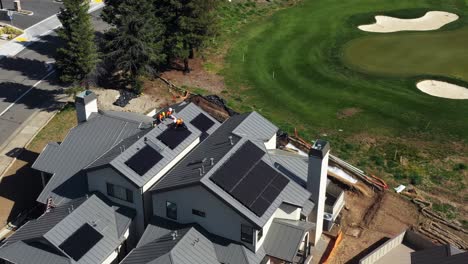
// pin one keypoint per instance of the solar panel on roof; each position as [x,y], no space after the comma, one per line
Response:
[237,166]
[250,180]
[202,122]
[80,242]
[260,206]
[248,189]
[172,137]
[144,160]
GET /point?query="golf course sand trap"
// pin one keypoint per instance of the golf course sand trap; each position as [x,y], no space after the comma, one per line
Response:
[443,89]
[430,21]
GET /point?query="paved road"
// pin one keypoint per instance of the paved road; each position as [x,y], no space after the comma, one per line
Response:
[42,9]
[28,71]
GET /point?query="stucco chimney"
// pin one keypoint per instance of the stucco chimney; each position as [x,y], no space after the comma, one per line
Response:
[317,182]
[85,103]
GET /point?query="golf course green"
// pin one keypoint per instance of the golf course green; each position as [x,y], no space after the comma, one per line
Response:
[441,53]
[306,65]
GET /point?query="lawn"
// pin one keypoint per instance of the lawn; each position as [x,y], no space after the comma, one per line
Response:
[441,53]
[289,67]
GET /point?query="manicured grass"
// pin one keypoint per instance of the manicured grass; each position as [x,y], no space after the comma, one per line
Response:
[411,54]
[289,67]
[56,130]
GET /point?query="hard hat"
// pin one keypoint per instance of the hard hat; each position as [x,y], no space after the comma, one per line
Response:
[170,109]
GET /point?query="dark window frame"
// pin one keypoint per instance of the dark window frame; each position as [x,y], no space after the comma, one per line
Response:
[247,234]
[259,234]
[111,192]
[198,213]
[169,214]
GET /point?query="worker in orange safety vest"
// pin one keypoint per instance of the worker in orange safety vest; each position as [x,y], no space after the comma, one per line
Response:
[179,122]
[169,112]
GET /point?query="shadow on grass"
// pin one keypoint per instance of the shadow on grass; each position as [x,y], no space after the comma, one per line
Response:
[20,185]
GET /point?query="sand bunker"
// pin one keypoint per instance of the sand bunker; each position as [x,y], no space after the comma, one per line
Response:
[443,89]
[430,21]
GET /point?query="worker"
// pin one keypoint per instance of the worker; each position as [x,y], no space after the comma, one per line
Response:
[161,116]
[169,112]
[179,122]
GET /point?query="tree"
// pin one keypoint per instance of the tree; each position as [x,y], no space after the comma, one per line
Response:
[188,23]
[134,44]
[78,57]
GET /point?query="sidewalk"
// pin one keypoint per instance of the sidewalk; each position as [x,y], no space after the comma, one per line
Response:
[38,30]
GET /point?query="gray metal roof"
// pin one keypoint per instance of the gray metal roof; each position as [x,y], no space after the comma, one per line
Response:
[83,144]
[22,253]
[215,146]
[193,244]
[218,147]
[439,254]
[51,229]
[257,127]
[284,238]
[125,149]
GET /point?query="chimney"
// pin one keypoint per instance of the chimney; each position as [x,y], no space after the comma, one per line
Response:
[317,182]
[85,103]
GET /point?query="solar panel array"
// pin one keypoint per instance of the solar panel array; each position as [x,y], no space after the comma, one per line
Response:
[172,137]
[202,122]
[144,160]
[80,242]
[249,180]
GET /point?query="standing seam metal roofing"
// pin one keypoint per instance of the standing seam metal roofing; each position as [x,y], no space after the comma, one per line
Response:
[284,238]
[187,113]
[82,145]
[57,225]
[193,244]
[215,146]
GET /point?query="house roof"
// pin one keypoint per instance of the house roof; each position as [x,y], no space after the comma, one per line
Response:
[192,244]
[82,145]
[440,254]
[284,238]
[243,129]
[127,148]
[49,232]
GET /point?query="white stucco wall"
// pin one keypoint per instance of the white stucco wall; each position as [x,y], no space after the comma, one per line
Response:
[220,219]
[285,211]
[97,182]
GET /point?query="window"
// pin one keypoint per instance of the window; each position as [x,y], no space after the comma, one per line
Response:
[259,234]
[199,213]
[171,210]
[247,234]
[119,192]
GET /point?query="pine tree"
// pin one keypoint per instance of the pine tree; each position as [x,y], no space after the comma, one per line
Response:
[188,23]
[78,57]
[134,44]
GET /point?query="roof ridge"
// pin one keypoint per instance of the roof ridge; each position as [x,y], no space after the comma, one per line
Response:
[106,113]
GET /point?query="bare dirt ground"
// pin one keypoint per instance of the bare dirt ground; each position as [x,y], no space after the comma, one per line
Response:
[370,220]
[199,77]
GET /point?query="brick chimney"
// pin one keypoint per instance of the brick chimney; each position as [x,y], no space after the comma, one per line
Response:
[317,182]
[85,103]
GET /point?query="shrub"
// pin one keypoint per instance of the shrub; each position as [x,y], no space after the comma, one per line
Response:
[459,167]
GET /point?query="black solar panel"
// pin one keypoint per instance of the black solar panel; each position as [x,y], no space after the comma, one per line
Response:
[249,180]
[237,166]
[80,242]
[202,122]
[172,137]
[144,160]
[260,206]
[253,184]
